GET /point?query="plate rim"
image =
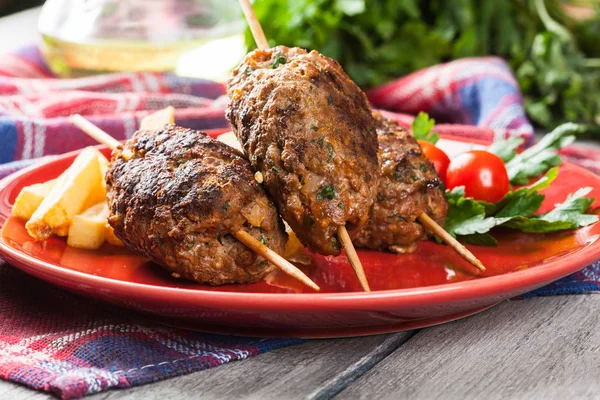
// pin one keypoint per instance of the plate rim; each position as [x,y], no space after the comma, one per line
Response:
[456,291]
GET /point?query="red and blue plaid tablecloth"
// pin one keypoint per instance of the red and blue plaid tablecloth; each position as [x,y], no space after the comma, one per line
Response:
[53,341]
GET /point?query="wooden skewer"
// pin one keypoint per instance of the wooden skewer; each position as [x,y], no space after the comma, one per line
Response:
[94,132]
[450,241]
[424,219]
[263,44]
[265,252]
[250,241]
[255,27]
[353,258]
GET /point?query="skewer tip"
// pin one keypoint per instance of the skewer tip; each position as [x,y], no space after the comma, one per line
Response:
[274,258]
[435,228]
[255,27]
[93,131]
[353,258]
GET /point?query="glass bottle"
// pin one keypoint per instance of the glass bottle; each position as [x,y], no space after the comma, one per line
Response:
[199,38]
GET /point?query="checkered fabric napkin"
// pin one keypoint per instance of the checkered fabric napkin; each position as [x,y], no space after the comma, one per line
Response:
[52,341]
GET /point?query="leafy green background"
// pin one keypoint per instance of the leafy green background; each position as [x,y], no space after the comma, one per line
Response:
[556,59]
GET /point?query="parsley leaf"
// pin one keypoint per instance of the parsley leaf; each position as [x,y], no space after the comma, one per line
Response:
[467,216]
[568,215]
[326,192]
[541,156]
[330,151]
[421,128]
[506,149]
[573,209]
[481,239]
[535,225]
[471,220]
[279,59]
[527,200]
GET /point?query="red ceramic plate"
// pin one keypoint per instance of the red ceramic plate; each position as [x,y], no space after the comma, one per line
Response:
[431,286]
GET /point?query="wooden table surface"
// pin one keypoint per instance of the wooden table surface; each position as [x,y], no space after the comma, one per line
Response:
[537,348]
[540,348]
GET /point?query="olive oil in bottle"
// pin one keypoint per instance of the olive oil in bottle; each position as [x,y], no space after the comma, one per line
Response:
[201,38]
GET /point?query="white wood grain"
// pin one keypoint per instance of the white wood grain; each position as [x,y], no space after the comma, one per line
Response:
[292,372]
[541,348]
[338,382]
[9,390]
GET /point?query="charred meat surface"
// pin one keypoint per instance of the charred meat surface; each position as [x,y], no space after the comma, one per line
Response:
[177,196]
[309,130]
[408,187]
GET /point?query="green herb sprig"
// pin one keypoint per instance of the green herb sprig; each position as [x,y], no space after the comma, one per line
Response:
[470,220]
[538,158]
[422,126]
[556,58]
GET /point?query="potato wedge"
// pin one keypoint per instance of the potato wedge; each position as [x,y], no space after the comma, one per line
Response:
[158,119]
[98,192]
[103,163]
[30,198]
[110,236]
[67,197]
[87,230]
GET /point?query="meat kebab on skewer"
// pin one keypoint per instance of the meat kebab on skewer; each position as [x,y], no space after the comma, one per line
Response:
[410,201]
[289,109]
[409,187]
[192,205]
[307,128]
[263,93]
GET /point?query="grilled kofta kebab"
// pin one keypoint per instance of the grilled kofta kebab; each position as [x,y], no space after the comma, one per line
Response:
[308,129]
[179,196]
[262,92]
[409,186]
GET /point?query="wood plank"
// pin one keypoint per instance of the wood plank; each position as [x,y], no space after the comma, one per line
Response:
[297,371]
[538,348]
[337,383]
[9,390]
[294,371]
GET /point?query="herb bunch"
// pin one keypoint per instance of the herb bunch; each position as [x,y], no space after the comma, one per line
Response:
[471,220]
[556,58]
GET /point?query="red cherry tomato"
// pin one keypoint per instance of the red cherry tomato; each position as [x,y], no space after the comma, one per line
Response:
[483,175]
[438,158]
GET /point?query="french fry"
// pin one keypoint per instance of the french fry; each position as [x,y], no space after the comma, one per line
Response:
[67,197]
[158,119]
[103,163]
[30,198]
[110,237]
[98,193]
[87,230]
